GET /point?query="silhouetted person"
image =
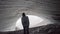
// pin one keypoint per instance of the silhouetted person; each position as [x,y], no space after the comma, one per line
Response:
[25,23]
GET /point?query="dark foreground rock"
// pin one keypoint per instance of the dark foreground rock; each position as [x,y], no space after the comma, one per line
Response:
[46,29]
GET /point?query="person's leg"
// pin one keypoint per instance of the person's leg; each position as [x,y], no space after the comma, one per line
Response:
[24,30]
[27,29]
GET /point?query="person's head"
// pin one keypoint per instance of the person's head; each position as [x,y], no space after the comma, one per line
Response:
[23,14]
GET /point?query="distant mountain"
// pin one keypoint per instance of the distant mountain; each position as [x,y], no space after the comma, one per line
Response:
[46,29]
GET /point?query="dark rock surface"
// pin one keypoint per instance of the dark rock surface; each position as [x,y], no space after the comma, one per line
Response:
[10,11]
[46,29]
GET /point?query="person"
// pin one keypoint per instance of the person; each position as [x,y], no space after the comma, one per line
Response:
[25,23]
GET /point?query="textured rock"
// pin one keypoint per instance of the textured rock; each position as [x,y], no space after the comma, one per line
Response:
[10,11]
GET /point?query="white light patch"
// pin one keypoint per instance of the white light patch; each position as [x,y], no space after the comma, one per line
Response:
[34,20]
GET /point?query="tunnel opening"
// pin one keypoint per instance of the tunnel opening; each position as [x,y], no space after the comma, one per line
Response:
[34,20]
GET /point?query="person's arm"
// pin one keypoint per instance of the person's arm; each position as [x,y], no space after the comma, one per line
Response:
[22,20]
[28,21]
